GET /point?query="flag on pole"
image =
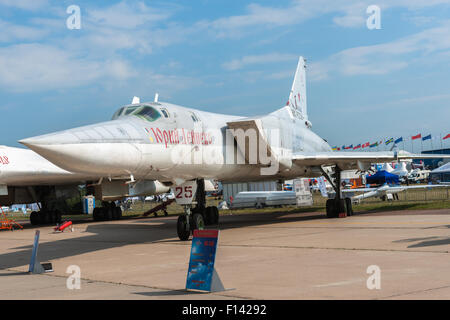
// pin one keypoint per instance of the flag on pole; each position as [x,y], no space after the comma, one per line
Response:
[398,140]
[389,141]
[349,147]
[416,137]
[374,145]
[428,137]
[365,145]
[446,137]
[357,147]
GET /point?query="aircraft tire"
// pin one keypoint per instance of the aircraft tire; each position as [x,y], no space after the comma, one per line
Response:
[215,215]
[209,218]
[183,233]
[342,207]
[34,218]
[331,208]
[197,222]
[44,217]
[108,213]
[117,213]
[97,214]
[348,203]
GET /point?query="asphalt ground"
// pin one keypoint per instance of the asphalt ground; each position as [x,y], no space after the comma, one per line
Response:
[260,256]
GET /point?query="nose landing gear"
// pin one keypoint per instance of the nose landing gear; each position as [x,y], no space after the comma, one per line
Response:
[197,217]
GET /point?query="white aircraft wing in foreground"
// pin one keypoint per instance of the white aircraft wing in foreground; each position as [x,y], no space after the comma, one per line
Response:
[26,177]
[182,147]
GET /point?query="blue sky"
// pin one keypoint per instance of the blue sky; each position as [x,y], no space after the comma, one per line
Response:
[234,57]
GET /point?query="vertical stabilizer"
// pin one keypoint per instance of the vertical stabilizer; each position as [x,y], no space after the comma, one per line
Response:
[297,97]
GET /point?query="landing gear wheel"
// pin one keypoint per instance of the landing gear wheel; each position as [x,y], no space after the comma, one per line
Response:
[108,213]
[331,208]
[117,213]
[209,212]
[215,215]
[44,217]
[197,222]
[98,214]
[165,213]
[348,203]
[34,218]
[182,230]
[342,207]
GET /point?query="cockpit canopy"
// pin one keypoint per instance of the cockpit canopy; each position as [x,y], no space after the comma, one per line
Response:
[144,112]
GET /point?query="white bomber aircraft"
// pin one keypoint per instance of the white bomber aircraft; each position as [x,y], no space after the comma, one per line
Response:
[26,177]
[180,147]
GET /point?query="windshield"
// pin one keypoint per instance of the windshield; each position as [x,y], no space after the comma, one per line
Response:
[144,112]
[147,113]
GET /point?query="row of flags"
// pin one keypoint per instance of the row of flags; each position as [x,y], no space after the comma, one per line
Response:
[387,142]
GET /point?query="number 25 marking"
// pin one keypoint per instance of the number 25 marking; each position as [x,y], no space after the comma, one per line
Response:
[187,192]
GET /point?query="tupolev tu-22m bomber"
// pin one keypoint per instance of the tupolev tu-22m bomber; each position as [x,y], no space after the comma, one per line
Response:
[181,147]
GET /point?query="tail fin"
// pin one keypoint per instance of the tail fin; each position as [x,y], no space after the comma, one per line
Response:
[297,97]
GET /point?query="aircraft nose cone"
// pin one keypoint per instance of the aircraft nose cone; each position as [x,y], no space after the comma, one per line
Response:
[51,146]
[102,149]
[62,137]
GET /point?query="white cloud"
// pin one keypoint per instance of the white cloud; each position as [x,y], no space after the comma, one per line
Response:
[24,4]
[124,15]
[33,67]
[347,14]
[13,32]
[258,59]
[384,58]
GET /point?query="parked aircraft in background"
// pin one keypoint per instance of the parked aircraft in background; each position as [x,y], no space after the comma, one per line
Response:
[179,147]
[385,192]
[400,170]
[26,177]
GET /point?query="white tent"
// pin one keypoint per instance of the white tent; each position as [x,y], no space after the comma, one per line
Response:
[441,174]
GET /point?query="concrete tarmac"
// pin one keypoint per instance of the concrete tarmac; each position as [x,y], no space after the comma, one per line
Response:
[260,256]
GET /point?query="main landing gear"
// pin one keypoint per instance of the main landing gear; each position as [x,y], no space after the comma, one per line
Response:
[337,207]
[45,216]
[109,211]
[197,217]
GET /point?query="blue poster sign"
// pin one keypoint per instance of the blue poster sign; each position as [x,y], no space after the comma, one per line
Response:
[34,252]
[201,263]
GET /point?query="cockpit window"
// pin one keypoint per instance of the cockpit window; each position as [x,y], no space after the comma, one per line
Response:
[117,114]
[129,110]
[144,112]
[165,113]
[147,113]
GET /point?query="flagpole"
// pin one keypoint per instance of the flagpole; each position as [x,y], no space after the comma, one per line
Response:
[442,147]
